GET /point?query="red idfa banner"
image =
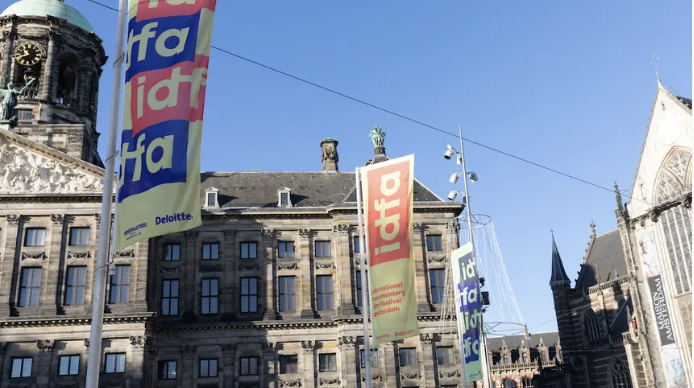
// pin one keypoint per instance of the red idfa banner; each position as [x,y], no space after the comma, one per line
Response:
[388,192]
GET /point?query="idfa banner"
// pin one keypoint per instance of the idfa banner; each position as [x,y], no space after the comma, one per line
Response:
[164,98]
[468,303]
[388,192]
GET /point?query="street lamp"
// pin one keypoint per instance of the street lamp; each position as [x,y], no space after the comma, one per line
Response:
[473,177]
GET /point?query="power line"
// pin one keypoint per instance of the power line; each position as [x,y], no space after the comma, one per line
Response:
[407,118]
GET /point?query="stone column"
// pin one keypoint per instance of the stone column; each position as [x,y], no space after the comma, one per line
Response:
[423,305]
[229,282]
[269,268]
[392,378]
[7,297]
[43,369]
[348,364]
[308,374]
[305,253]
[268,363]
[50,71]
[345,305]
[229,354]
[50,300]
[188,367]
[427,342]
[190,266]
[91,270]
[136,372]
[7,57]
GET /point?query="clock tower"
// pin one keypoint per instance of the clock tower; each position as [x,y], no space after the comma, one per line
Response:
[53,44]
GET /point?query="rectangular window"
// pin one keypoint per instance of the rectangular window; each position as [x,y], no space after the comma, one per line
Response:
[374,358]
[74,285]
[322,249]
[434,242]
[324,292]
[286,293]
[249,366]
[115,363]
[211,199]
[30,288]
[169,297]
[327,362]
[358,278]
[172,252]
[208,367]
[408,356]
[249,250]
[210,251]
[210,296]
[288,364]
[21,367]
[79,237]
[249,295]
[444,355]
[285,250]
[437,283]
[35,237]
[69,366]
[167,370]
[284,199]
[356,245]
[120,285]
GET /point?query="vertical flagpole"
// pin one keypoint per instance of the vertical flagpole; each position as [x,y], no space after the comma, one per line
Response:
[99,298]
[364,284]
[483,340]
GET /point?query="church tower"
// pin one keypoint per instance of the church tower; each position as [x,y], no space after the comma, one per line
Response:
[53,44]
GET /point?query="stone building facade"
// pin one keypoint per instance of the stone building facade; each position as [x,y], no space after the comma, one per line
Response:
[525,361]
[610,325]
[265,294]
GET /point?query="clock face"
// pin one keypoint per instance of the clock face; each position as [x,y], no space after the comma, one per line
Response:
[28,54]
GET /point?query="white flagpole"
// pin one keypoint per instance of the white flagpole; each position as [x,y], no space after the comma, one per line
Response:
[99,298]
[364,284]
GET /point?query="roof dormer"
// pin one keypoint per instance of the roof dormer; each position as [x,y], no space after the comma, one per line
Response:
[284,197]
[211,198]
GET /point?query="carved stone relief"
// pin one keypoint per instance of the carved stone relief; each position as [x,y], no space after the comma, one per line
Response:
[79,255]
[287,266]
[27,172]
[39,255]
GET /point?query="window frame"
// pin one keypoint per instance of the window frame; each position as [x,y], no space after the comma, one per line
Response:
[210,245]
[29,289]
[320,253]
[249,366]
[248,294]
[324,297]
[356,244]
[210,370]
[437,285]
[326,357]
[164,370]
[436,240]
[168,300]
[80,231]
[22,367]
[35,237]
[248,245]
[76,286]
[374,360]
[283,363]
[286,244]
[165,253]
[359,286]
[116,282]
[284,295]
[116,357]
[448,356]
[210,297]
[215,200]
[70,360]
[411,354]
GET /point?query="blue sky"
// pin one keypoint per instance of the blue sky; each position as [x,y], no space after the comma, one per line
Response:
[567,84]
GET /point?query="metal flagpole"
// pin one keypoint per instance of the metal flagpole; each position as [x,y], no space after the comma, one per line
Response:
[483,342]
[94,361]
[364,284]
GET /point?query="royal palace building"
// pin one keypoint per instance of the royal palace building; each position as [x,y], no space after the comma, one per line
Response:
[266,293]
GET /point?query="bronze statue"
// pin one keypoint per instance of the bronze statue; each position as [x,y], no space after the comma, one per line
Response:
[9,102]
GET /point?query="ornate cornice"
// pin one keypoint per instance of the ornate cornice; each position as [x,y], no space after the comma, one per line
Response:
[305,233]
[58,219]
[45,346]
[267,233]
[137,342]
[308,345]
[341,229]
[13,219]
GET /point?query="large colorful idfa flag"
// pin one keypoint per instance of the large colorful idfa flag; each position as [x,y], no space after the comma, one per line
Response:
[164,99]
[388,191]
[468,303]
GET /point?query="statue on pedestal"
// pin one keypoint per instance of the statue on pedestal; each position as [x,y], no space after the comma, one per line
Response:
[9,102]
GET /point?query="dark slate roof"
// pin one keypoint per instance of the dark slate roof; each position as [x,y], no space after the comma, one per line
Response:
[513,342]
[620,324]
[308,189]
[686,101]
[605,258]
[558,273]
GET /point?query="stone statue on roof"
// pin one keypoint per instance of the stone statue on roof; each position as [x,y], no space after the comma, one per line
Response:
[378,136]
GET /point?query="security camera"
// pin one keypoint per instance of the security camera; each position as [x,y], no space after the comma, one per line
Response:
[454,177]
[473,177]
[449,152]
[459,160]
[452,195]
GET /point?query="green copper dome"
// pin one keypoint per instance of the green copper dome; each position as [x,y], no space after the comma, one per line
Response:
[55,8]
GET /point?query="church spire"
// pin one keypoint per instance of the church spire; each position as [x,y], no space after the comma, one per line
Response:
[558,273]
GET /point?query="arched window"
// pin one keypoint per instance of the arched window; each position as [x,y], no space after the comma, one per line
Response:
[67,80]
[527,382]
[591,328]
[525,357]
[675,222]
[509,383]
[620,375]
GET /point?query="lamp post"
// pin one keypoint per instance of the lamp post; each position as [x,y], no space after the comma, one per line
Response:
[460,159]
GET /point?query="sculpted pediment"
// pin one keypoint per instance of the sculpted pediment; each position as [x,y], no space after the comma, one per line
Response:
[23,171]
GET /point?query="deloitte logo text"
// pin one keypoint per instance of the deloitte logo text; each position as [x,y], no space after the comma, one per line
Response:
[178,217]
